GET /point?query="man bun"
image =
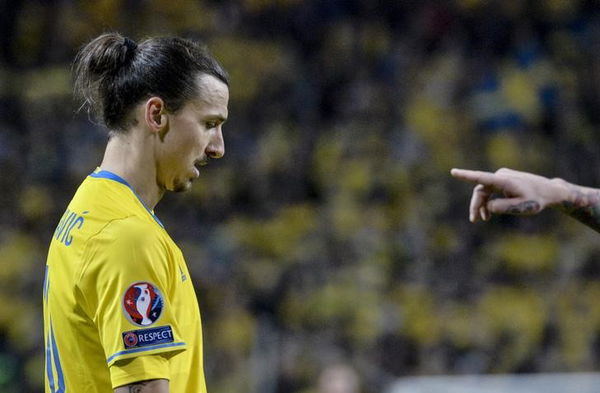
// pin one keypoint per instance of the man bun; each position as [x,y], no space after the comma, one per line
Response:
[96,67]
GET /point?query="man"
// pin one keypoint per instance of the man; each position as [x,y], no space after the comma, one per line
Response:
[120,311]
[525,193]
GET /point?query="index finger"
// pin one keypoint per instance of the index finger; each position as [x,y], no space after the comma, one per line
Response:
[480,177]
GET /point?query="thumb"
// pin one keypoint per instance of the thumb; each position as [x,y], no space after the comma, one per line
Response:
[518,206]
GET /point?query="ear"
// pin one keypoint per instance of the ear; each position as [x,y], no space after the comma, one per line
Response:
[155,115]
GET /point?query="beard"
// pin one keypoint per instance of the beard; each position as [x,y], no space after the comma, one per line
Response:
[181,185]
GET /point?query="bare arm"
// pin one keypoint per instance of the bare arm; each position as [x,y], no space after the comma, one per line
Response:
[152,386]
[523,193]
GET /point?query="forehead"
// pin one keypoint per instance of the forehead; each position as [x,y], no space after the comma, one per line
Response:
[214,94]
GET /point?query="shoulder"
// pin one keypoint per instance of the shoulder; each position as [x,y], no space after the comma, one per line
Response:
[107,200]
[131,229]
[131,239]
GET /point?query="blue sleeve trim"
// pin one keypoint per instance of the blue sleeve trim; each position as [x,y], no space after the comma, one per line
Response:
[136,350]
[112,176]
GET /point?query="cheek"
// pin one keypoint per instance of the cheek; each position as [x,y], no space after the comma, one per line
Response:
[191,138]
[182,145]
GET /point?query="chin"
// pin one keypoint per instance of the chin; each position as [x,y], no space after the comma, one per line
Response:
[182,186]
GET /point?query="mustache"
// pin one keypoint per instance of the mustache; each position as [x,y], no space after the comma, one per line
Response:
[201,162]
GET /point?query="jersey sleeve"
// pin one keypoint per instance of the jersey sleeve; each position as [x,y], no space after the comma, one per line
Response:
[139,368]
[125,285]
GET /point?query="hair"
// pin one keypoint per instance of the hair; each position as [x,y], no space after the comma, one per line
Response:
[112,74]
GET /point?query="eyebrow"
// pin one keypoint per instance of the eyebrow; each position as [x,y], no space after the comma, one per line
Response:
[221,118]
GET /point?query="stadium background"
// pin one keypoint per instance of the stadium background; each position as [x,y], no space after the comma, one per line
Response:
[331,232]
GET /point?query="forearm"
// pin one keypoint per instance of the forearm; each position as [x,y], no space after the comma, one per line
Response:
[581,203]
[152,386]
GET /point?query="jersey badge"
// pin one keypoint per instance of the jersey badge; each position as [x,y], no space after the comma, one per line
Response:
[143,303]
[144,337]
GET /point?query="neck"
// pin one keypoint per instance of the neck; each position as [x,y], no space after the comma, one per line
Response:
[130,156]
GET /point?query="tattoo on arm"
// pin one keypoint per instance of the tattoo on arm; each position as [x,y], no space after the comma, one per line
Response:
[137,387]
[152,385]
[584,206]
[527,207]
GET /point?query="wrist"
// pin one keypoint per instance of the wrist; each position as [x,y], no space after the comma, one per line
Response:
[559,194]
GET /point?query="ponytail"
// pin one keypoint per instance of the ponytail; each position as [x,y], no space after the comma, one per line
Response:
[96,66]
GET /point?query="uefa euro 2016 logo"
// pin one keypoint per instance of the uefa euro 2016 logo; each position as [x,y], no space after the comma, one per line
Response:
[142,303]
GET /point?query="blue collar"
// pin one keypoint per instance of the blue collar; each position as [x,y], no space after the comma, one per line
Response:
[119,179]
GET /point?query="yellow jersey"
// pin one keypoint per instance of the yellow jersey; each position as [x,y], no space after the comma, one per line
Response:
[119,306]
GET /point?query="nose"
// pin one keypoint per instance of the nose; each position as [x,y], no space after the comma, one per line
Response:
[216,147]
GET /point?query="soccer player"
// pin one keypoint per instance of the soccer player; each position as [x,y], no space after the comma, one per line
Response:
[507,191]
[120,311]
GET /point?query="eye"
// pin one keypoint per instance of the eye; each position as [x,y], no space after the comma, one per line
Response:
[211,124]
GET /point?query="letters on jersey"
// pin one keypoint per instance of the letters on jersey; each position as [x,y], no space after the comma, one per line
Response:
[142,303]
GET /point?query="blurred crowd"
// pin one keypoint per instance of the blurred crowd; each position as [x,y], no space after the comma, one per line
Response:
[330,248]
